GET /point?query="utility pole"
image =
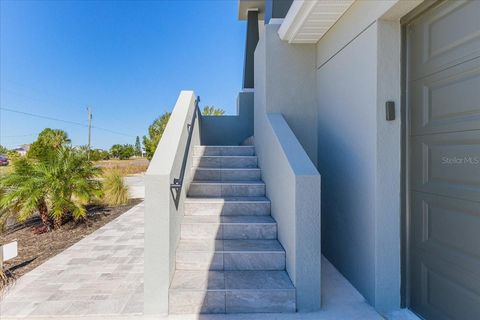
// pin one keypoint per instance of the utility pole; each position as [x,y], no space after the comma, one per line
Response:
[89,131]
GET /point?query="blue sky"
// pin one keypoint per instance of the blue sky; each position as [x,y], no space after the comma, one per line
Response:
[127,60]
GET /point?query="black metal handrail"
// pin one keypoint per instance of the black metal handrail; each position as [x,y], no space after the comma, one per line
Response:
[178,182]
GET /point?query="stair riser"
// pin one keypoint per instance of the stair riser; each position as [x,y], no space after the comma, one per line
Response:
[250,301]
[226,174]
[228,209]
[226,190]
[224,162]
[224,151]
[232,301]
[247,231]
[194,302]
[230,261]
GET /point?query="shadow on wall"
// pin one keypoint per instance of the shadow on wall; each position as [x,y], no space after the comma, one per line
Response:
[229,130]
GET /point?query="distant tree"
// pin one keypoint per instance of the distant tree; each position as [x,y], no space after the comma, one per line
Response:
[155,132]
[138,147]
[3,150]
[99,154]
[122,152]
[212,111]
[48,141]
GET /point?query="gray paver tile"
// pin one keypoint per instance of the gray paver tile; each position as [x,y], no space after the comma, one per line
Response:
[101,274]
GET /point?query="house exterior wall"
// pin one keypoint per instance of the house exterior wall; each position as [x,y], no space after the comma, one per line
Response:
[292,181]
[346,159]
[290,86]
[359,152]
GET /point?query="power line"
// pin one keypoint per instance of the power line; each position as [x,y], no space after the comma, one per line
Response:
[64,121]
[43,117]
[18,135]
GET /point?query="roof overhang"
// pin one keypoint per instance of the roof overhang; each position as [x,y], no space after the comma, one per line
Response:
[248,5]
[308,20]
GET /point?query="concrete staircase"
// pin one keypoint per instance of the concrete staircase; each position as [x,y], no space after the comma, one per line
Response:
[229,259]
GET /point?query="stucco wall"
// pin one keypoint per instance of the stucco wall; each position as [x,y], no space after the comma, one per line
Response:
[229,130]
[163,216]
[291,86]
[292,181]
[359,152]
[346,88]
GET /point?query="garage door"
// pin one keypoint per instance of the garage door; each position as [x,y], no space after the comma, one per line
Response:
[443,95]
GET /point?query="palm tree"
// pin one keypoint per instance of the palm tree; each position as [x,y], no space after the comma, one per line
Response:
[48,141]
[55,137]
[212,111]
[54,186]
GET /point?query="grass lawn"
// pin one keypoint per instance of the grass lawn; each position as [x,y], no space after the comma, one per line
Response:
[126,167]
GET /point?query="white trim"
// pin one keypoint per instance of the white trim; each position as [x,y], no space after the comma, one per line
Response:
[248,90]
[296,16]
[276,21]
[308,20]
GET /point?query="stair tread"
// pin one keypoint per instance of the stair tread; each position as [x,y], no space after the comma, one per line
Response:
[225,199]
[228,219]
[223,146]
[228,169]
[203,245]
[239,182]
[193,280]
[225,156]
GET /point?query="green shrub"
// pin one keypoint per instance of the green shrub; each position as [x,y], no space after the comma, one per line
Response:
[115,192]
[55,185]
[122,152]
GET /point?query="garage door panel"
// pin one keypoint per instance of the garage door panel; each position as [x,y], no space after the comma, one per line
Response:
[446,101]
[443,95]
[443,37]
[444,291]
[448,229]
[447,164]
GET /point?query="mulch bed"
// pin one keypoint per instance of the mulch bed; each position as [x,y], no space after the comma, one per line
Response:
[34,249]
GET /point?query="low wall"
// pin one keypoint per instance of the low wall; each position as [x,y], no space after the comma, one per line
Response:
[163,214]
[229,130]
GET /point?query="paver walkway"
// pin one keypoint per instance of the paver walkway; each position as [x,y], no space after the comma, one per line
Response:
[100,275]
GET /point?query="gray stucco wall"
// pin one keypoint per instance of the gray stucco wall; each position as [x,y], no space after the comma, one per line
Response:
[292,181]
[359,153]
[276,9]
[290,89]
[162,217]
[229,129]
[346,88]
